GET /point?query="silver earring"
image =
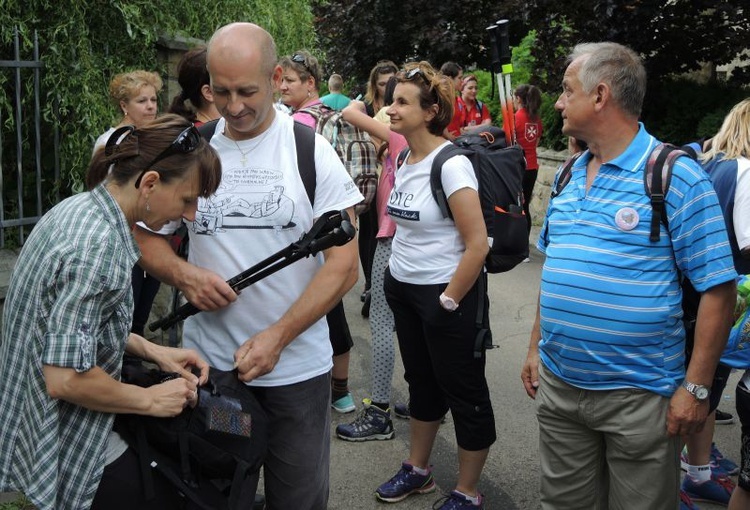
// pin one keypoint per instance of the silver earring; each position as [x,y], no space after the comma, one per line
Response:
[148,206]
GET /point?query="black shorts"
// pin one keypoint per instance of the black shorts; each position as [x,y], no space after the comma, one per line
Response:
[338,330]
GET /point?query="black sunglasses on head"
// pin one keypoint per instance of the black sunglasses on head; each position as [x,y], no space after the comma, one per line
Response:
[186,142]
[413,73]
[300,59]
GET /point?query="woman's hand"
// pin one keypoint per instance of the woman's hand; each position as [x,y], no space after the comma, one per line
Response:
[181,361]
[171,397]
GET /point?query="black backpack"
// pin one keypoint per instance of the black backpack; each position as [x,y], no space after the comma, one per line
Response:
[499,170]
[211,453]
[657,175]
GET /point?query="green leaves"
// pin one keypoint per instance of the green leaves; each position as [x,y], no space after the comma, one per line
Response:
[84,43]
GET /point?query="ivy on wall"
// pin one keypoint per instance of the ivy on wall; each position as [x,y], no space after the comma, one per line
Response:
[84,43]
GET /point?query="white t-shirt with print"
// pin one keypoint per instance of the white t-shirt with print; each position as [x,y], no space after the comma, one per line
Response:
[260,208]
[426,247]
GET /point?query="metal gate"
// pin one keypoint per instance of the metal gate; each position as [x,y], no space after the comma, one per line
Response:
[22,167]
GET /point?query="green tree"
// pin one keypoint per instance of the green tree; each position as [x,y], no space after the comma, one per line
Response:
[674,36]
[355,34]
[83,43]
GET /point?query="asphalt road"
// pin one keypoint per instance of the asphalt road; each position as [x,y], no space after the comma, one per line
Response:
[510,478]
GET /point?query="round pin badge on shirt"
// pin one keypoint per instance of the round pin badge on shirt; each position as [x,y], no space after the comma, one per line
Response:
[627,218]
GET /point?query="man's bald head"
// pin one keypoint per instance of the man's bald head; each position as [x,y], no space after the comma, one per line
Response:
[239,41]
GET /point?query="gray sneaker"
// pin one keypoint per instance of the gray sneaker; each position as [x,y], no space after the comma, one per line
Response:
[372,424]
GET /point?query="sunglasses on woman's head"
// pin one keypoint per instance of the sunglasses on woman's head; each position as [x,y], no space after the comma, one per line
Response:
[300,59]
[186,142]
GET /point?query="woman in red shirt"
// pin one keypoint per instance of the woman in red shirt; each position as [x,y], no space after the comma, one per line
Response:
[528,100]
[472,111]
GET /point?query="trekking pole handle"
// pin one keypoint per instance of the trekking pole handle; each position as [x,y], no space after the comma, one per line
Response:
[338,235]
[504,41]
[494,49]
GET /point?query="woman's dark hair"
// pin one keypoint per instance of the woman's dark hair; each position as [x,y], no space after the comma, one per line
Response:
[390,86]
[192,75]
[435,89]
[137,148]
[531,99]
[305,65]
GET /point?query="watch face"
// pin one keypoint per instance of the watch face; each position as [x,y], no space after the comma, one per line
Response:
[701,393]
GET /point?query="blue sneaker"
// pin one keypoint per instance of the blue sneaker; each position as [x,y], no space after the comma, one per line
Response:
[726,465]
[686,503]
[716,490]
[405,483]
[457,500]
[344,405]
[401,410]
[372,424]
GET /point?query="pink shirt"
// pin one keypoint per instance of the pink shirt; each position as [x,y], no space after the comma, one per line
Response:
[386,225]
[306,118]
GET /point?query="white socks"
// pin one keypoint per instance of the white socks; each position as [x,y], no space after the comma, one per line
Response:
[699,474]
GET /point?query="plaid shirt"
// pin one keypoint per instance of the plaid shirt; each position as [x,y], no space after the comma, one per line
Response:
[69,304]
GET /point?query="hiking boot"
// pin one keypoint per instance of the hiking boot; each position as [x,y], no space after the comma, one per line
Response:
[716,490]
[401,410]
[723,418]
[726,465]
[457,500]
[372,424]
[344,404]
[686,503]
[405,483]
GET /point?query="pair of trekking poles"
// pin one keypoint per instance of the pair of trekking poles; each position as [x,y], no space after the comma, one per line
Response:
[503,68]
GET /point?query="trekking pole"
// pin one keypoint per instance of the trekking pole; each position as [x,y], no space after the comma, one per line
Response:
[502,67]
[331,229]
[507,70]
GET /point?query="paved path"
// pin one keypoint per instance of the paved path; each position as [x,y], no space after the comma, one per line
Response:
[510,479]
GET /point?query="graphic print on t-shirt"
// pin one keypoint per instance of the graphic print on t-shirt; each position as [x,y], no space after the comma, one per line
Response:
[398,206]
[531,132]
[248,198]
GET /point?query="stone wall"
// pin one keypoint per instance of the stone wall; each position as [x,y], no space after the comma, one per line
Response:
[549,160]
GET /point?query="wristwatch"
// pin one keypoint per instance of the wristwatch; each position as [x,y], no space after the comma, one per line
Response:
[448,303]
[699,391]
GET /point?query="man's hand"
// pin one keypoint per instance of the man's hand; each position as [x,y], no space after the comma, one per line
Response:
[530,373]
[686,415]
[258,355]
[207,290]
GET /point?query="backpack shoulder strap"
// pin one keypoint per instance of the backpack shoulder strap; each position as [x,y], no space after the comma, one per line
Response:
[208,129]
[304,141]
[436,173]
[656,178]
[563,178]
[402,157]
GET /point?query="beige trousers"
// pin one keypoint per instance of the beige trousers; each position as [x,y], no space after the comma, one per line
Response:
[605,450]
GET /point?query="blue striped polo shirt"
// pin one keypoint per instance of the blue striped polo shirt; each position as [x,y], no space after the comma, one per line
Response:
[610,298]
